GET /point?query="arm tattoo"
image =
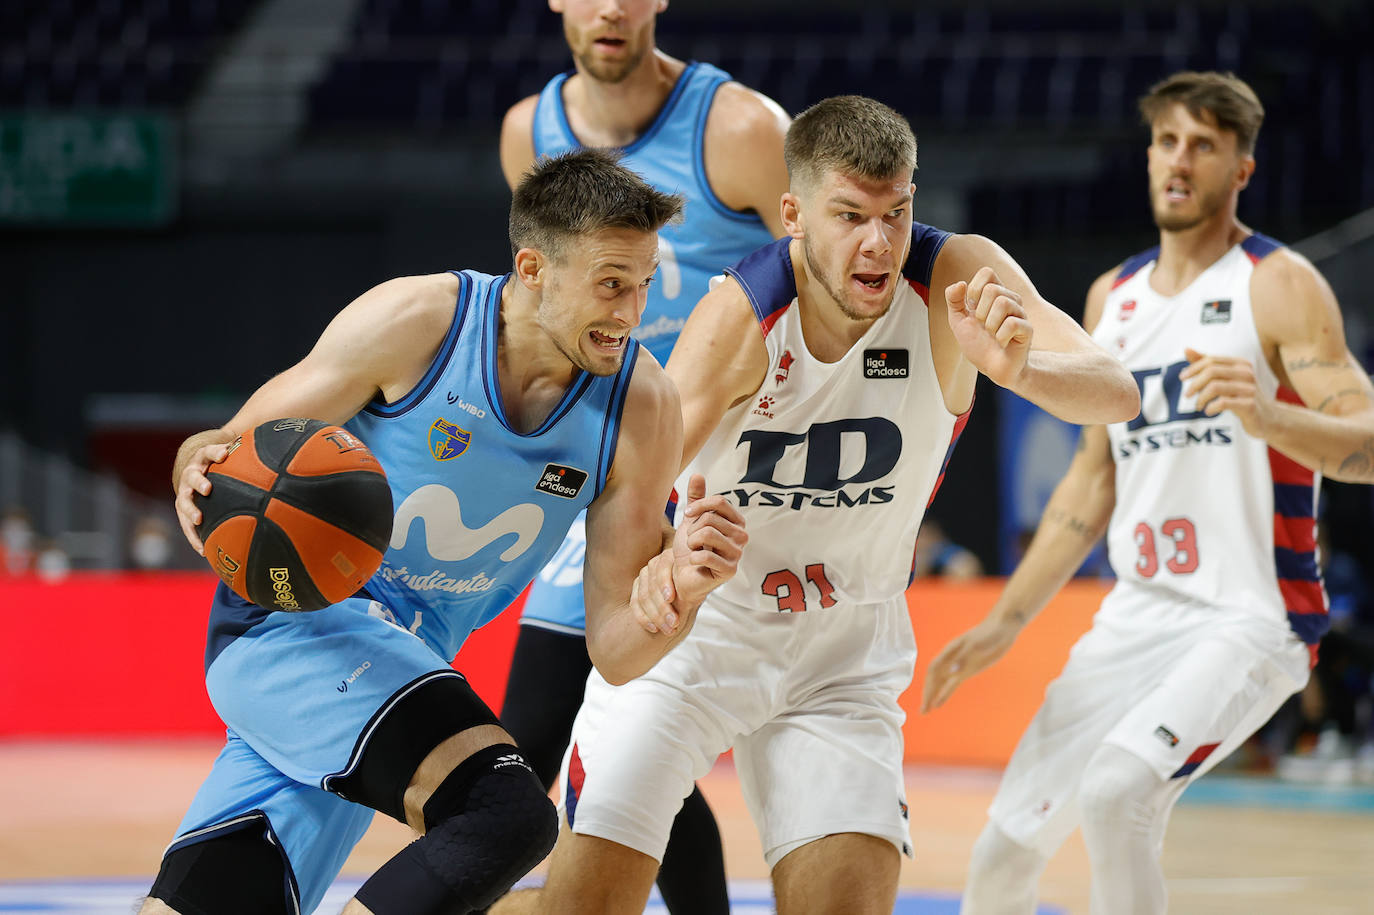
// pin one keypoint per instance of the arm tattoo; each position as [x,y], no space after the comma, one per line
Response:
[1077,525]
[1321,407]
[1360,463]
[1298,365]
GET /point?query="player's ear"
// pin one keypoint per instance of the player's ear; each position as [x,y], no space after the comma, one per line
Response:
[1244,173]
[556,6]
[530,267]
[791,215]
[662,5]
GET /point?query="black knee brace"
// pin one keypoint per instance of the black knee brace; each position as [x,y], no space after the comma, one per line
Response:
[486,826]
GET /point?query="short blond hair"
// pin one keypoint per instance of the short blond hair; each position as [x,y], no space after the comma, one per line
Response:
[851,134]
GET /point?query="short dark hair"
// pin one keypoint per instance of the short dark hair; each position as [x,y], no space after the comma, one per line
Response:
[580,192]
[1224,96]
[854,135]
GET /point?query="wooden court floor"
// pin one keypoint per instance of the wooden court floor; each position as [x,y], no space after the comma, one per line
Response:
[106,809]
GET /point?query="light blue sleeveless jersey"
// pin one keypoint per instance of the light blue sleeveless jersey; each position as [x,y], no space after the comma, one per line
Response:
[669,156]
[481,508]
[710,237]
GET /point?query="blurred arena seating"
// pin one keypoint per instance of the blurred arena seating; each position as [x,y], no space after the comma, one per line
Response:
[109,53]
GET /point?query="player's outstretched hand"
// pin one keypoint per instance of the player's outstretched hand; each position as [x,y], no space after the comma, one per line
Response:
[990,326]
[1226,383]
[968,654]
[192,480]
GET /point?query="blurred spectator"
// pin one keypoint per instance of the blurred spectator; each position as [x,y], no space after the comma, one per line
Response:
[936,555]
[51,562]
[150,544]
[16,542]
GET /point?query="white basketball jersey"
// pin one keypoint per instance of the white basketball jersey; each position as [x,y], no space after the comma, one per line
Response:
[832,464]
[1205,514]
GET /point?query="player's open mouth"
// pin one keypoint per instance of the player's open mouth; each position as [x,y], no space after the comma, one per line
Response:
[1177,190]
[876,282]
[608,341]
[610,43]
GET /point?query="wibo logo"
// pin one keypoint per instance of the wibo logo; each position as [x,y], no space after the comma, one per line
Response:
[358,672]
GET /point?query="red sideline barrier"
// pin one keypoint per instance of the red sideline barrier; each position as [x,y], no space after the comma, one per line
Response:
[121,654]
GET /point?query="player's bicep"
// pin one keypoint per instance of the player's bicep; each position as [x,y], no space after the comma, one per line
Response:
[517,140]
[1294,306]
[719,359]
[329,384]
[380,343]
[1055,331]
[1330,382]
[742,119]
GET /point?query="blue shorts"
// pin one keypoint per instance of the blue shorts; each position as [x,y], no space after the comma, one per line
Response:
[555,600]
[300,693]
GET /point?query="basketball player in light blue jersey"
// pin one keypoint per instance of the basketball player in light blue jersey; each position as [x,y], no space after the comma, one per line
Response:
[686,128]
[500,407]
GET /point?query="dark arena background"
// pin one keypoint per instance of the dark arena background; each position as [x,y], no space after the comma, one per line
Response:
[190,189]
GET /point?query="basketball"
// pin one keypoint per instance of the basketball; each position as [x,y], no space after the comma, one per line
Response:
[298,515]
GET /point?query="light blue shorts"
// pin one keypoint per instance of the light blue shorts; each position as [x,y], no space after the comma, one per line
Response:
[300,693]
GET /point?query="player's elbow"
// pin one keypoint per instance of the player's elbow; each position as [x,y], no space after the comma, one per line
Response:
[614,666]
[1123,397]
[1109,395]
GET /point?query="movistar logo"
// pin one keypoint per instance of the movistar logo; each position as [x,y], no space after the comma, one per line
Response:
[448,539]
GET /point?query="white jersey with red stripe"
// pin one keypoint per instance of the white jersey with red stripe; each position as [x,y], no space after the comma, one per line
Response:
[1206,515]
[832,464]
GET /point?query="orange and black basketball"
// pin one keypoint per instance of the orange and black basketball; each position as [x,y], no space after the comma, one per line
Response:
[298,515]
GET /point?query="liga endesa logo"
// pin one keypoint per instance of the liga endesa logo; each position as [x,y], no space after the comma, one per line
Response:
[557,480]
[886,363]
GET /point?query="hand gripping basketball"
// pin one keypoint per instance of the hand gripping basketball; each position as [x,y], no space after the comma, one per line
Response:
[298,515]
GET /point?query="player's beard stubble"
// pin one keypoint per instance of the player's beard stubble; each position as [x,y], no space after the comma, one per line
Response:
[837,295]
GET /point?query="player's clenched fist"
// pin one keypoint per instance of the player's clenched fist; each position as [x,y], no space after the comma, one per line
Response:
[990,325]
[705,553]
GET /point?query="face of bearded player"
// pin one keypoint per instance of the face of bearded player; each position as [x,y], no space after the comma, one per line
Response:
[608,38]
[1195,169]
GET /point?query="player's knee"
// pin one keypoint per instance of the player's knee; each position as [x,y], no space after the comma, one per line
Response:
[501,809]
[486,826]
[997,858]
[1117,792]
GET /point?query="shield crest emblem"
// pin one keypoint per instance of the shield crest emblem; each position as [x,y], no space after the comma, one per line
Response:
[447,440]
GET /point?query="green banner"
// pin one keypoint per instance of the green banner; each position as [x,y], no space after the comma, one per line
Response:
[87,169]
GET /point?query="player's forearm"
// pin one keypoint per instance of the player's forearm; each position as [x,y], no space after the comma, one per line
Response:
[1084,386]
[620,649]
[1339,447]
[1073,522]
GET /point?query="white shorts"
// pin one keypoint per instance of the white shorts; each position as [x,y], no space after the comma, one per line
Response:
[1181,693]
[807,700]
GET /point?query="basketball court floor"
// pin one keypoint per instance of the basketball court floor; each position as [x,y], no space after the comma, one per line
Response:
[83,824]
